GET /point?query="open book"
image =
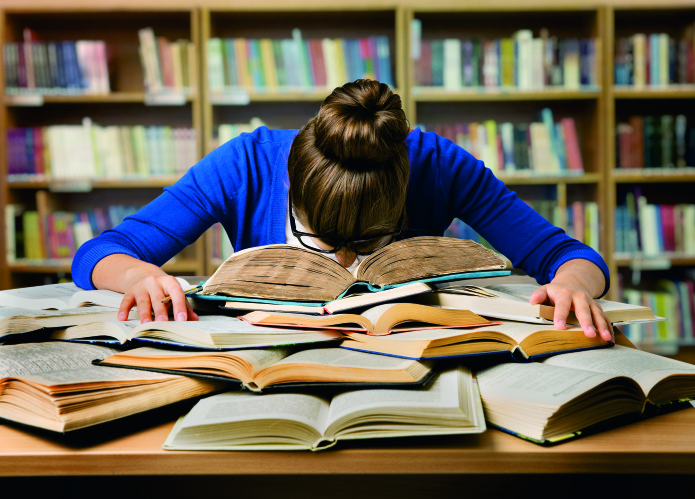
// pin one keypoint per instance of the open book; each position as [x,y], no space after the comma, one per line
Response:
[553,400]
[257,369]
[524,341]
[16,321]
[53,385]
[511,301]
[62,296]
[210,332]
[288,273]
[380,320]
[293,421]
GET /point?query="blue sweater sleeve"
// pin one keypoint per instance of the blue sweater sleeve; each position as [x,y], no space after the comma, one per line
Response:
[473,194]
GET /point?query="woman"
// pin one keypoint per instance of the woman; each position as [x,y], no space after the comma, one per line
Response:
[357,178]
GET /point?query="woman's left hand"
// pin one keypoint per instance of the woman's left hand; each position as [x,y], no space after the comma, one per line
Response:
[574,287]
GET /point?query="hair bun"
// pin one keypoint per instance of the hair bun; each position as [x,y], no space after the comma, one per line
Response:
[360,124]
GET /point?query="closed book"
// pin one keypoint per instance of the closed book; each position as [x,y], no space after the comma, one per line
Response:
[242,60]
[523,39]
[437,63]
[668,229]
[230,64]
[215,65]
[318,63]
[452,64]
[268,64]
[637,143]
[667,141]
[384,57]
[574,155]
[254,61]
[680,131]
[507,62]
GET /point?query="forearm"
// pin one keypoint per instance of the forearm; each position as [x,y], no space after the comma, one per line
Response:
[118,272]
[583,272]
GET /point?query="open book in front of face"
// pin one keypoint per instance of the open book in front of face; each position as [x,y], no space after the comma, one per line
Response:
[283,272]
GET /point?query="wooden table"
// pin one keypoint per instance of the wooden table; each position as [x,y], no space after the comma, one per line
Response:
[123,458]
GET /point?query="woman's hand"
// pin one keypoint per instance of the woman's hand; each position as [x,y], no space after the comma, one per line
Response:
[143,285]
[574,287]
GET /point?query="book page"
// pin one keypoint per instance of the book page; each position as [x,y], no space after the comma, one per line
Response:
[40,297]
[233,407]
[33,358]
[644,367]
[346,358]
[94,374]
[401,406]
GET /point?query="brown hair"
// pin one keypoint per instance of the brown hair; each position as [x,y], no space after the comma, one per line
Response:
[348,167]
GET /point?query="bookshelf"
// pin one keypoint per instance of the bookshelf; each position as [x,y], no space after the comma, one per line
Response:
[597,108]
[127,104]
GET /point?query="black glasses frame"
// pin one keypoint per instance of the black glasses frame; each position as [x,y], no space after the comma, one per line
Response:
[342,244]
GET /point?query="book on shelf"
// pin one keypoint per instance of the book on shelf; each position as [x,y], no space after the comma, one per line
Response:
[56,67]
[295,421]
[266,369]
[53,385]
[14,322]
[104,152]
[519,61]
[542,147]
[564,396]
[64,296]
[210,332]
[294,64]
[168,66]
[511,302]
[253,274]
[380,320]
[519,341]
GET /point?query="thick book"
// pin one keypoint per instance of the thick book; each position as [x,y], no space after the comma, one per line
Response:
[53,385]
[380,320]
[558,399]
[210,332]
[280,367]
[17,321]
[295,421]
[511,302]
[62,296]
[288,273]
[519,340]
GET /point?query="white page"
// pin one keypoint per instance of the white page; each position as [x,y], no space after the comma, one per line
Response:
[31,358]
[644,367]
[346,358]
[49,296]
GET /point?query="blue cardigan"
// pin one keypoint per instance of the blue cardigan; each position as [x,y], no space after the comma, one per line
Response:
[243,185]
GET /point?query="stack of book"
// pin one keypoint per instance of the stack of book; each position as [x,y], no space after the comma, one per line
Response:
[168,67]
[36,237]
[400,363]
[543,147]
[518,62]
[665,141]
[655,59]
[90,152]
[55,67]
[295,64]
[654,229]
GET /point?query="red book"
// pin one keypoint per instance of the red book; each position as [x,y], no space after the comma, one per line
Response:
[165,61]
[423,68]
[691,296]
[637,145]
[624,145]
[500,153]
[318,62]
[574,155]
[668,226]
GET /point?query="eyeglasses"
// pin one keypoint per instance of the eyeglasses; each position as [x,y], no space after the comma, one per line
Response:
[359,246]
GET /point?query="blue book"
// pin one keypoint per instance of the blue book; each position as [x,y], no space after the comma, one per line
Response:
[384,56]
[654,59]
[230,62]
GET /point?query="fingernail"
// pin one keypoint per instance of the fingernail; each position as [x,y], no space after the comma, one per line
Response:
[122,316]
[146,319]
[590,332]
[161,318]
[181,316]
[560,324]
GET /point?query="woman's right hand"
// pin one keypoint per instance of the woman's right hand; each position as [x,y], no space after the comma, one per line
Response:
[144,285]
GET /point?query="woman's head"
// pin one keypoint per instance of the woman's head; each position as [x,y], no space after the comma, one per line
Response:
[348,167]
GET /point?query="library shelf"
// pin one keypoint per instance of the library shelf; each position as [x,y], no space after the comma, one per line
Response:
[544,179]
[656,262]
[31,100]
[80,185]
[63,266]
[654,92]
[652,175]
[437,94]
